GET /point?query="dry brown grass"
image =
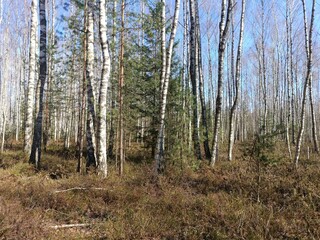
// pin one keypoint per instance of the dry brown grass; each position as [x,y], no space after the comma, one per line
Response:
[205,203]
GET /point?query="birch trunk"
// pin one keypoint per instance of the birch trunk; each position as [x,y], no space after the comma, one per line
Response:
[237,84]
[31,80]
[82,93]
[308,45]
[289,81]
[201,87]
[159,155]
[121,86]
[185,78]
[91,114]
[48,109]
[35,155]
[313,119]
[102,113]
[224,27]
[114,64]
[4,123]
[163,46]
[293,137]
[194,76]
[264,72]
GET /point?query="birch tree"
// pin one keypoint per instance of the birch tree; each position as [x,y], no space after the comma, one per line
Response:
[35,155]
[31,80]
[234,107]
[194,75]
[105,75]
[82,93]
[309,53]
[121,88]
[159,154]
[51,64]
[224,28]
[91,112]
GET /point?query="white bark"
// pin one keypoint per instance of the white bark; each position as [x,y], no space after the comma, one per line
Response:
[35,155]
[224,26]
[237,84]
[3,129]
[91,118]
[194,77]
[102,114]
[163,46]
[31,80]
[308,45]
[159,155]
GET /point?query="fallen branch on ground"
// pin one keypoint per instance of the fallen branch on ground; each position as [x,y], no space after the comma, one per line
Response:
[78,188]
[70,225]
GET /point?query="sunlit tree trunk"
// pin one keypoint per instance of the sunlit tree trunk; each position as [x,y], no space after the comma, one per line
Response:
[113,87]
[48,108]
[263,70]
[237,84]
[82,93]
[313,119]
[163,45]
[102,113]
[31,80]
[194,77]
[224,27]
[309,49]
[35,156]
[121,88]
[201,86]
[159,155]
[91,113]
[4,123]
[289,78]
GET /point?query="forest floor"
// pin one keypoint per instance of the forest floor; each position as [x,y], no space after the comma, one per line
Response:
[191,201]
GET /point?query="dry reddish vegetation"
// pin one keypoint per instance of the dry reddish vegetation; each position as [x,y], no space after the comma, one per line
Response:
[194,202]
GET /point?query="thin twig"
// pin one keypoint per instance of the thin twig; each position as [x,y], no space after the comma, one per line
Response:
[78,188]
[70,225]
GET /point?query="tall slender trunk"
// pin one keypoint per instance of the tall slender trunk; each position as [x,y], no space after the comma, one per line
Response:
[18,105]
[289,81]
[159,155]
[35,156]
[313,118]
[187,79]
[224,27]
[91,113]
[113,88]
[163,46]
[4,123]
[184,82]
[82,93]
[264,127]
[237,84]
[308,45]
[31,80]
[48,114]
[293,137]
[121,86]
[102,113]
[201,86]
[194,76]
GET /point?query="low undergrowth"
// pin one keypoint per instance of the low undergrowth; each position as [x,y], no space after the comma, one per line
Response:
[185,203]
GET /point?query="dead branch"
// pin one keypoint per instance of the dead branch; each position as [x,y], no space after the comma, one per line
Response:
[70,225]
[77,188]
